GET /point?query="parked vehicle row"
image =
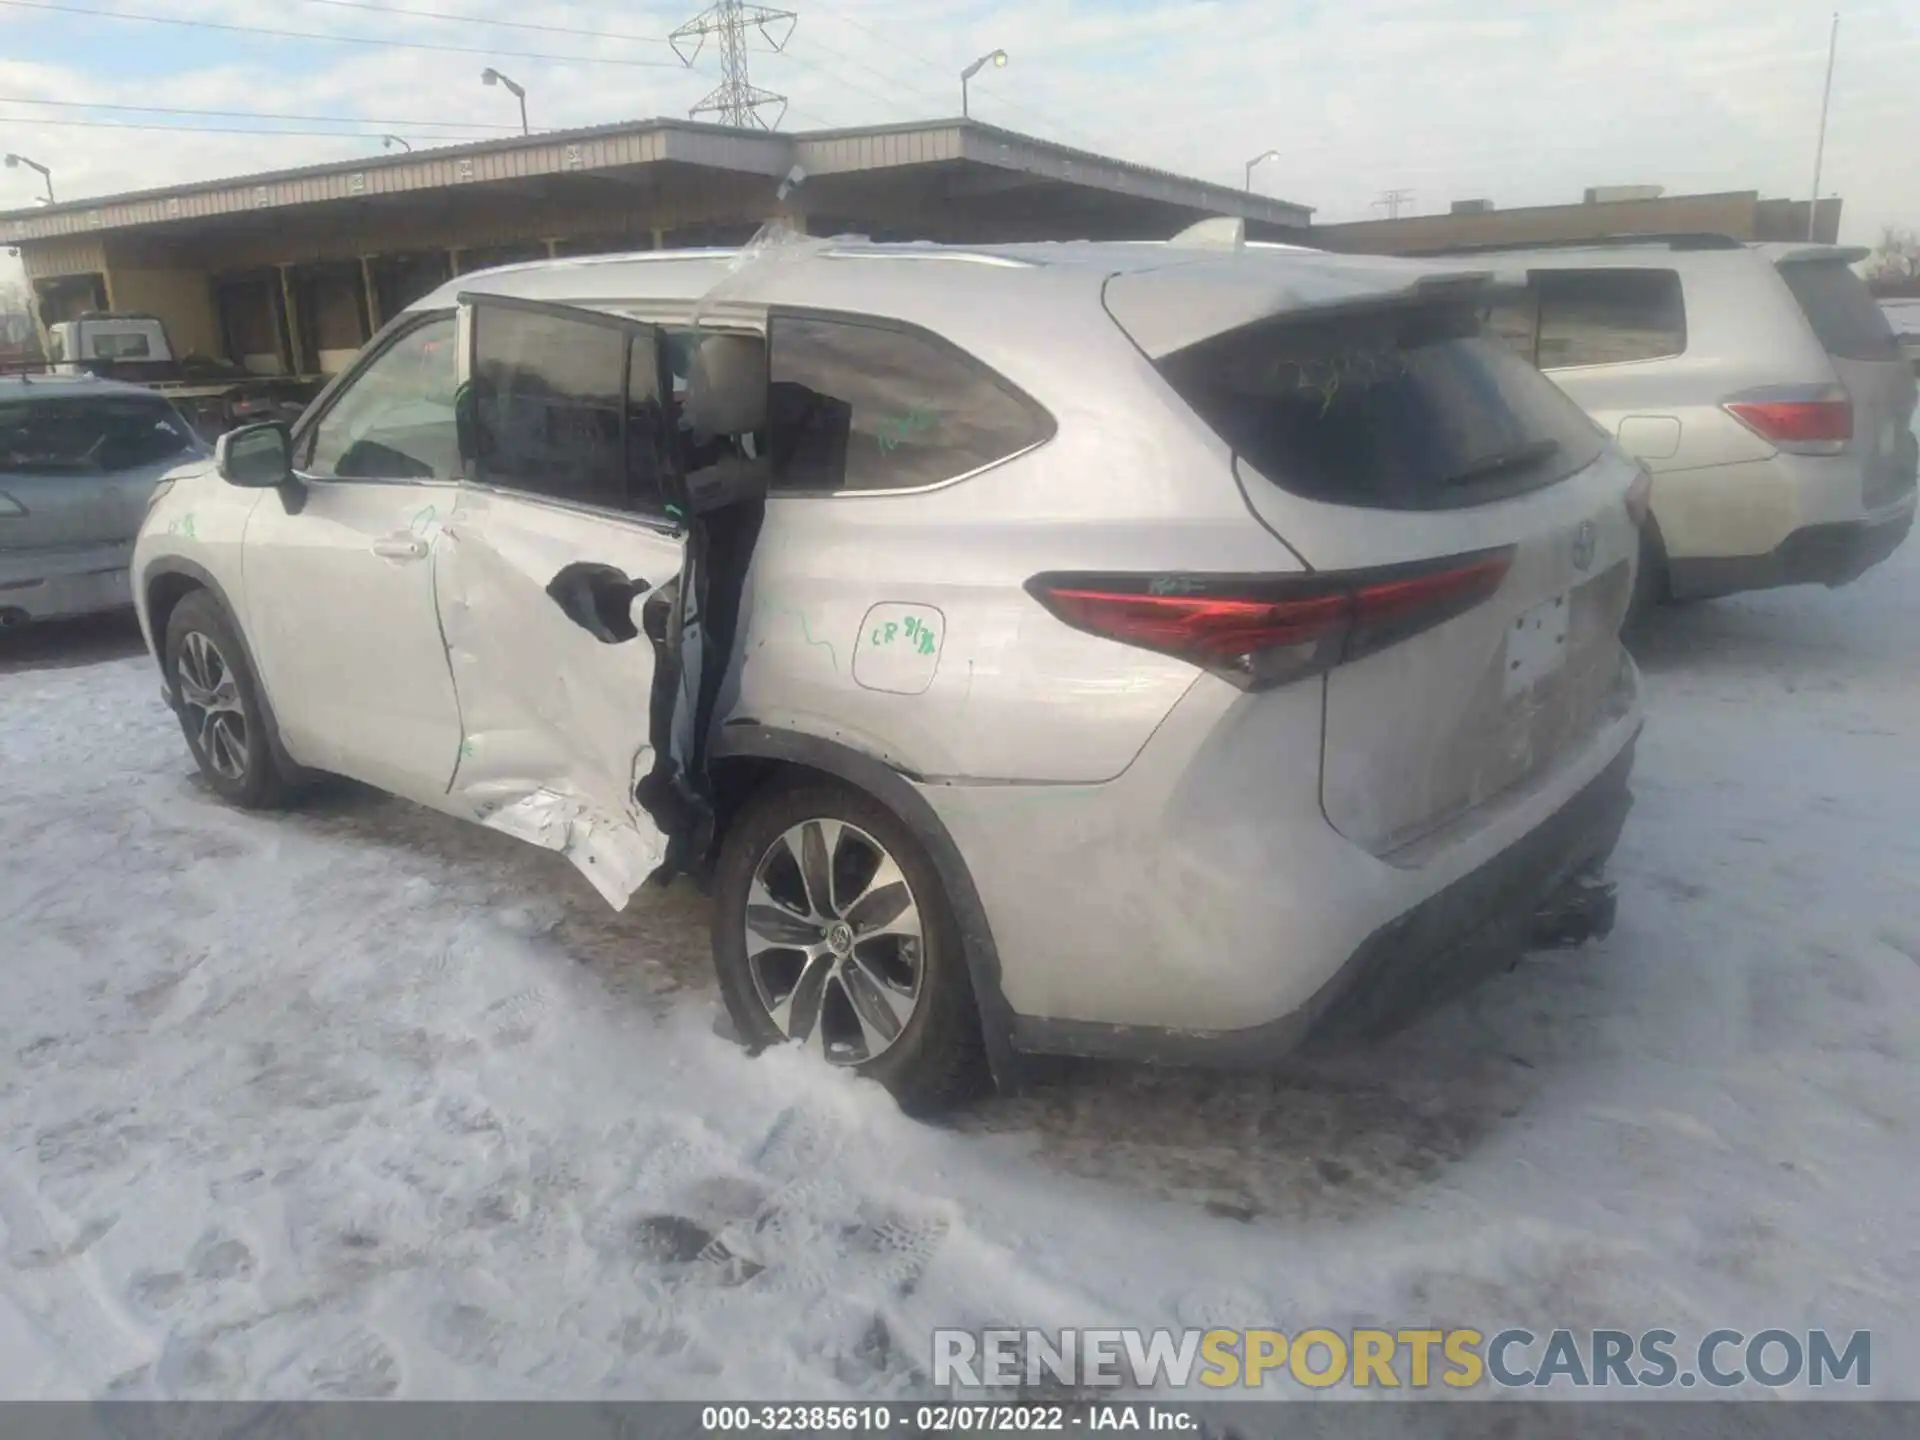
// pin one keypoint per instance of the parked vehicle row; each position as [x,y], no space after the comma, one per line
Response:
[1124,650]
[1174,651]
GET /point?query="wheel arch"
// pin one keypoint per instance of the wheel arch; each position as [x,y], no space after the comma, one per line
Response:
[747,756]
[163,585]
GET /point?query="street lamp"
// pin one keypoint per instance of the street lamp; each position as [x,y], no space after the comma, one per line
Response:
[387,142]
[998,59]
[491,76]
[1259,160]
[14,161]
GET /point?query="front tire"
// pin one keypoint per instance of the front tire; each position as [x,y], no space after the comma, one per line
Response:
[831,929]
[217,698]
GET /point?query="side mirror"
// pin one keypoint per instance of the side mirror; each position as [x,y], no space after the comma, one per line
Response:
[255,457]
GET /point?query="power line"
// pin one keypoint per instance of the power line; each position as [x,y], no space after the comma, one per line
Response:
[36,120]
[336,39]
[256,114]
[466,19]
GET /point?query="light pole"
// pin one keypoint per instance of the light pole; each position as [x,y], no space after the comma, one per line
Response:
[1259,160]
[14,161]
[1820,145]
[491,76]
[387,142]
[998,59]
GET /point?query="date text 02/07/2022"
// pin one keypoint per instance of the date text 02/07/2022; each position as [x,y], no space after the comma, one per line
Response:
[946,1419]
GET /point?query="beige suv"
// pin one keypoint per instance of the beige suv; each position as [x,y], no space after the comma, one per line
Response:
[1759,384]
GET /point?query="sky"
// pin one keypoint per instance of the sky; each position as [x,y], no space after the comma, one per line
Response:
[1522,104]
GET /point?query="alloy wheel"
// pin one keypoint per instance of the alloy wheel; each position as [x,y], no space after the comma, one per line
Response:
[211,695]
[835,940]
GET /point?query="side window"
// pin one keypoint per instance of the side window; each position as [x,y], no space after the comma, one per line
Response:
[857,406]
[1607,317]
[567,408]
[394,421]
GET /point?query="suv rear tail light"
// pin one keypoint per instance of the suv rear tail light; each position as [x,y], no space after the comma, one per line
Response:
[1813,421]
[1262,631]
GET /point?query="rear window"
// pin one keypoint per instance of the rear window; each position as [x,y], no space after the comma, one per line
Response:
[1840,309]
[1406,408]
[121,345]
[93,436]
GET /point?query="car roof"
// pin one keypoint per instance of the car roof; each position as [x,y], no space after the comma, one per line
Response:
[900,279]
[67,387]
[1666,251]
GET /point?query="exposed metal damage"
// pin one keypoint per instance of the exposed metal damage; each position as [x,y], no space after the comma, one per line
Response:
[588,679]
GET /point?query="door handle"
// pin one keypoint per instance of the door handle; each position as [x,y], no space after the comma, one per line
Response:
[400,547]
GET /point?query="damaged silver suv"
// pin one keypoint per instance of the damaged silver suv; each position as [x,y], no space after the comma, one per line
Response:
[1152,650]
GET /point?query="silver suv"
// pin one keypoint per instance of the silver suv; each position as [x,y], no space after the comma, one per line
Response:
[1760,384]
[1124,650]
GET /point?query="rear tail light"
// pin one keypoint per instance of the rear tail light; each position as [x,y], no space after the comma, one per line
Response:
[1640,498]
[1799,421]
[1260,631]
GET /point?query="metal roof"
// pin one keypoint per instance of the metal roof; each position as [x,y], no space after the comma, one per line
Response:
[640,142]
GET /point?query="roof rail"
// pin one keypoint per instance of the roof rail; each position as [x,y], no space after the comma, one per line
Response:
[1678,240]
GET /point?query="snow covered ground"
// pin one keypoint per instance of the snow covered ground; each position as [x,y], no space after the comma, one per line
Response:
[358,1101]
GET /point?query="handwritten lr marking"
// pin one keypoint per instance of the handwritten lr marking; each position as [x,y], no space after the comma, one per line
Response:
[914,630]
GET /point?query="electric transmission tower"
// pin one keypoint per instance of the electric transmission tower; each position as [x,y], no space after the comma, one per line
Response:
[1392,200]
[735,100]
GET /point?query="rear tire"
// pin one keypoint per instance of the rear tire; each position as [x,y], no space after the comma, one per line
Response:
[217,698]
[831,929]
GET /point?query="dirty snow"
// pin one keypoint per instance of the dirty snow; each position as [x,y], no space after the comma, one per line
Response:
[360,1101]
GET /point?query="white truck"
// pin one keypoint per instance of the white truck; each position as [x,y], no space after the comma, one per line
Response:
[214,395]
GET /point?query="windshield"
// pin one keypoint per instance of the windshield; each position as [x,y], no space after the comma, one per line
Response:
[1403,408]
[90,435]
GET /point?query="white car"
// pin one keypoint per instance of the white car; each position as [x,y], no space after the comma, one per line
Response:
[1118,650]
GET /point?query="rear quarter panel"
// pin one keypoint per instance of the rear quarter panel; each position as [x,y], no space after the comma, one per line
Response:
[1003,690]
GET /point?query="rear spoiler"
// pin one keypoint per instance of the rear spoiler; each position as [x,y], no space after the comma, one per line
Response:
[1166,310]
[1785,254]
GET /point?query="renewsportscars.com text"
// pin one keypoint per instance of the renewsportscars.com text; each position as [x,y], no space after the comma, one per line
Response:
[1416,1359]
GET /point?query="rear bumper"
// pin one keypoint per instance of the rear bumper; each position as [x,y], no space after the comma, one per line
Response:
[1200,908]
[1475,927]
[1745,512]
[1832,554]
[54,584]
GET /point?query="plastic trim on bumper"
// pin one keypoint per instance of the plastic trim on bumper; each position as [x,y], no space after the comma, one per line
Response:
[1830,555]
[62,595]
[1479,925]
